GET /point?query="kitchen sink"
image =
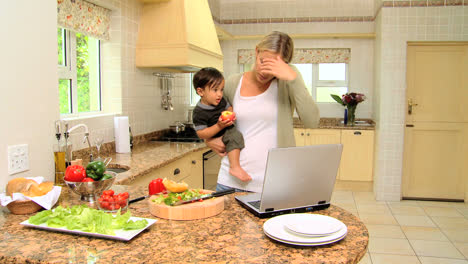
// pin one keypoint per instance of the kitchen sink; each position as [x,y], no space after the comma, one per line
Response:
[117,168]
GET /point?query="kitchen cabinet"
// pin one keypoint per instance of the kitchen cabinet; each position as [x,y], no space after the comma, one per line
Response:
[188,169]
[307,137]
[357,158]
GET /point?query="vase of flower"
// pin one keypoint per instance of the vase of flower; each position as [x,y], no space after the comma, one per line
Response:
[351,113]
[345,119]
[350,102]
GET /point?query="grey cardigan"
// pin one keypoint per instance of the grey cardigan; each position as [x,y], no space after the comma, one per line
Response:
[291,95]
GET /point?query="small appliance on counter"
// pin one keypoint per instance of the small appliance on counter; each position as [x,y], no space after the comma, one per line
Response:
[188,135]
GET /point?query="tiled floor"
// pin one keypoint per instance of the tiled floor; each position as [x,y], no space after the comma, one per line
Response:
[407,231]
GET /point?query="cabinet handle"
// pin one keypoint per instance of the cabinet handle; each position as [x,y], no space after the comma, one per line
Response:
[308,134]
[176,171]
[302,134]
[357,133]
[194,162]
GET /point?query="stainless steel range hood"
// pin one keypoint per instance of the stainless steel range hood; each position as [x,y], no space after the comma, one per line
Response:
[178,36]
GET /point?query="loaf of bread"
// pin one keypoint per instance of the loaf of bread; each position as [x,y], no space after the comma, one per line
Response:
[175,186]
[28,187]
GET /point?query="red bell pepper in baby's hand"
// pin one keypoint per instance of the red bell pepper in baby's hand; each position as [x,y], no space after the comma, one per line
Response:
[156,186]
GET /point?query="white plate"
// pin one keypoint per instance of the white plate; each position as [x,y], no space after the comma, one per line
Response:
[275,227]
[119,233]
[305,244]
[307,235]
[313,224]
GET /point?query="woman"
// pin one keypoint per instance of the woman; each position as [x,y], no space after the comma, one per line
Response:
[264,100]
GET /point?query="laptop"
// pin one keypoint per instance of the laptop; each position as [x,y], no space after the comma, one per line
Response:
[297,179]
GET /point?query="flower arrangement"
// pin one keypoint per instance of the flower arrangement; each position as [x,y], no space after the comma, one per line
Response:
[350,101]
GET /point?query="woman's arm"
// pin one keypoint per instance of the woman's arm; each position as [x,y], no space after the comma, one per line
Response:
[301,99]
[305,106]
[217,145]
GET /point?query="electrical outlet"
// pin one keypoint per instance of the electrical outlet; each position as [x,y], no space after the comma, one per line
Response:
[18,158]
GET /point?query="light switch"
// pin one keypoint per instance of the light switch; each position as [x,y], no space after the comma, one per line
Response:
[18,158]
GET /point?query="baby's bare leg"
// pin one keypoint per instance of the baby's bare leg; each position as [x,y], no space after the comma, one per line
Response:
[235,168]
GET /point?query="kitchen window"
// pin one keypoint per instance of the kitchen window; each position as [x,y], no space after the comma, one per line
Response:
[78,73]
[321,79]
[194,97]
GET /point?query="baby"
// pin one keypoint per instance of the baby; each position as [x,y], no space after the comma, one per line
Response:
[209,84]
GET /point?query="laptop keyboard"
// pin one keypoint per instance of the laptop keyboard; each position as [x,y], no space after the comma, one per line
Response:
[255,204]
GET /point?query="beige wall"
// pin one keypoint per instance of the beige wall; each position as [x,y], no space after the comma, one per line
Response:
[394,27]
[28,70]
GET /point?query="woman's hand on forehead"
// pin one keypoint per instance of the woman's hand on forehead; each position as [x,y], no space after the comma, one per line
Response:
[277,67]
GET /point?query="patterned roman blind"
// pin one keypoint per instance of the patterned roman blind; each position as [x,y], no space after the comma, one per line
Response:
[332,55]
[84,17]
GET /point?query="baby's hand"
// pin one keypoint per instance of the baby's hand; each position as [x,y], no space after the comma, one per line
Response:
[224,123]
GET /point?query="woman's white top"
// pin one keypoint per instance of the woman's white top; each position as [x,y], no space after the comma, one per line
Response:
[257,118]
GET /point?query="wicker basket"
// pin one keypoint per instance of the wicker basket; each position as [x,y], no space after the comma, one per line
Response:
[23,207]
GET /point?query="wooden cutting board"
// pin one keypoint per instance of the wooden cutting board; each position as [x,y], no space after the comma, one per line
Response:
[190,211]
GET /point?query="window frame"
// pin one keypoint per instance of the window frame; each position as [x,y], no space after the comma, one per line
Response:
[327,83]
[69,72]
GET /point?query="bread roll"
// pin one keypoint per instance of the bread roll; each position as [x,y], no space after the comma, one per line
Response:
[28,187]
[175,186]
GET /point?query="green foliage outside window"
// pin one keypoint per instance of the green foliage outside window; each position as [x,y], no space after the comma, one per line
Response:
[64,96]
[87,80]
[82,72]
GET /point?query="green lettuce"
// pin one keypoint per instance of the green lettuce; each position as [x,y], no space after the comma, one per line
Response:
[83,218]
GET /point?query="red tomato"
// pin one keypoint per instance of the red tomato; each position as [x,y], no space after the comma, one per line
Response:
[75,173]
[227,115]
[111,201]
[87,179]
[108,192]
[106,197]
[105,205]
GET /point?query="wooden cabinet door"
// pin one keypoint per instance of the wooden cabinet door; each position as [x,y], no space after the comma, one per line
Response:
[195,178]
[435,158]
[188,169]
[357,159]
[299,135]
[322,136]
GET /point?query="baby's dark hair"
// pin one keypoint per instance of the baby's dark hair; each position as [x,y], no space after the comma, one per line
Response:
[207,77]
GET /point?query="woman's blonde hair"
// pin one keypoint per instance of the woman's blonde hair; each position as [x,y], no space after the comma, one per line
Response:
[278,42]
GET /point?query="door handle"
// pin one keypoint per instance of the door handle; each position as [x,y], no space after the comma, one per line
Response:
[410,106]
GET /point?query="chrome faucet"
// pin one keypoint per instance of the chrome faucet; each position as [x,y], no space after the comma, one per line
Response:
[85,139]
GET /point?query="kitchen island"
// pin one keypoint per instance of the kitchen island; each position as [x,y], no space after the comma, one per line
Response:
[233,236]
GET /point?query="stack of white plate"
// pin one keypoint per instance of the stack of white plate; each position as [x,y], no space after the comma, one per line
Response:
[305,229]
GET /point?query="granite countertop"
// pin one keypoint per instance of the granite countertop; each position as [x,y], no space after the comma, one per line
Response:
[148,156]
[233,236]
[337,123]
